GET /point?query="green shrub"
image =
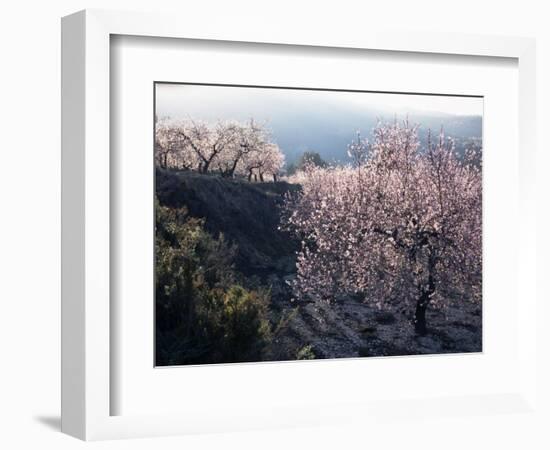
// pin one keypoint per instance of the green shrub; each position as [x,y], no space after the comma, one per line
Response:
[202,314]
[237,321]
[305,352]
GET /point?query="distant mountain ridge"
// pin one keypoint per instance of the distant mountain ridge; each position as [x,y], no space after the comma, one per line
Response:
[338,130]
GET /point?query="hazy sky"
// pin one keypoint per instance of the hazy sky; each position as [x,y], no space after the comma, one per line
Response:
[221,102]
[321,121]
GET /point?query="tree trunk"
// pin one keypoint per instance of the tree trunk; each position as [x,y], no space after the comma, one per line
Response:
[426,293]
[420,315]
[262,177]
[233,167]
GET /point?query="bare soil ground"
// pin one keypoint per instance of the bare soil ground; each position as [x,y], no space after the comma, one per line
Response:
[352,328]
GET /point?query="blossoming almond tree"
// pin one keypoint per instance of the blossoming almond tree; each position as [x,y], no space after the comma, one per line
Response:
[402,228]
[267,159]
[209,143]
[229,148]
[251,138]
[171,149]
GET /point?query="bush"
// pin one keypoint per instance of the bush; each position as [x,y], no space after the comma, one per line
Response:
[305,353]
[237,322]
[202,314]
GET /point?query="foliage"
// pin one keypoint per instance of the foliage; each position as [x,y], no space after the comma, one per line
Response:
[309,159]
[238,319]
[306,352]
[202,314]
[400,227]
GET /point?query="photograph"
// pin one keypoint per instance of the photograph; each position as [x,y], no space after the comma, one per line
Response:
[297,223]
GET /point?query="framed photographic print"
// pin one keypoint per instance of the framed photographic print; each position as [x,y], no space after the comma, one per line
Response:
[279,242]
[284,233]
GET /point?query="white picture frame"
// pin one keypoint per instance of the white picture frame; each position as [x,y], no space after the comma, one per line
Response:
[86,325]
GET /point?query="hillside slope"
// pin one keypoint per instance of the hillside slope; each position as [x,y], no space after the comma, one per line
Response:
[248,214]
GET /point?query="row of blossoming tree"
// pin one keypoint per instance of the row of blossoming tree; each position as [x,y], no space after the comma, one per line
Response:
[229,148]
[400,228]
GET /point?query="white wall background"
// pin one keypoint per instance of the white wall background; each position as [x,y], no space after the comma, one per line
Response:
[30,199]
